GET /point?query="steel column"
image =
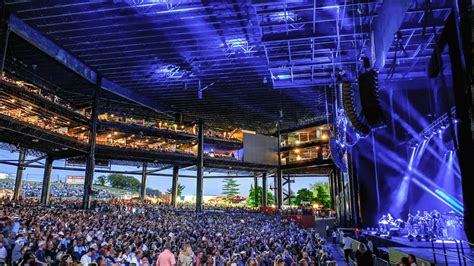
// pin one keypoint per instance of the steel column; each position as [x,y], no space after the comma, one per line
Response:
[275,190]
[200,165]
[143,183]
[458,34]
[278,176]
[331,189]
[19,174]
[175,186]
[90,160]
[255,186]
[48,167]
[289,190]
[264,190]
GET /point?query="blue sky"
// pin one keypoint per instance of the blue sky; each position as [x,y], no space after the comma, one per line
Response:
[211,186]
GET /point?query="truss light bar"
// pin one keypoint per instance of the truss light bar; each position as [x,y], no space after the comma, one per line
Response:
[170,71]
[237,43]
[283,16]
[283,76]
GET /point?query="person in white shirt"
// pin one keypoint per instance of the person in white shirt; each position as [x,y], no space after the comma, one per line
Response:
[86,259]
[3,253]
[370,245]
[347,241]
[334,237]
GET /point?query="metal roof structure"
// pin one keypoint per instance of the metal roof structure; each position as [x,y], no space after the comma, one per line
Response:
[245,63]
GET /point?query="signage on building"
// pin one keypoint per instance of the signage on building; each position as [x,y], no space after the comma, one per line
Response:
[75,180]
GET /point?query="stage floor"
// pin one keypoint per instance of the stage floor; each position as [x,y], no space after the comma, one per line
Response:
[424,249]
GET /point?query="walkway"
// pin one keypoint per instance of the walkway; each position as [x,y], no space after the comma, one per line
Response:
[337,254]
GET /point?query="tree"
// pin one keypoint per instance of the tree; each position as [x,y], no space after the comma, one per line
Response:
[321,193]
[230,188]
[123,181]
[153,192]
[101,180]
[180,189]
[303,195]
[251,202]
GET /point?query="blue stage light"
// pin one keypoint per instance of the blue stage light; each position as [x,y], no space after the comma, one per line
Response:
[450,199]
[283,76]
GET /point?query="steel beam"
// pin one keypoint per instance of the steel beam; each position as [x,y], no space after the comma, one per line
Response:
[264,190]
[35,160]
[4,48]
[143,183]
[41,42]
[200,166]
[19,174]
[90,160]
[175,186]
[48,167]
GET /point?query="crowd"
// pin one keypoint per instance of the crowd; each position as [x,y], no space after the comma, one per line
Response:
[57,191]
[115,233]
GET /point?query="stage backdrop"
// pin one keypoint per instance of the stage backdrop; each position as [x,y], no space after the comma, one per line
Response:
[260,149]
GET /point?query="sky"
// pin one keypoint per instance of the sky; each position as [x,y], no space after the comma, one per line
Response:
[211,186]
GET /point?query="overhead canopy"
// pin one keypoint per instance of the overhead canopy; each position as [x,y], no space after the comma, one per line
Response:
[244,63]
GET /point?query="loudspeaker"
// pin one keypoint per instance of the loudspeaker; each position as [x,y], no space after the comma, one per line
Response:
[353,109]
[362,104]
[370,99]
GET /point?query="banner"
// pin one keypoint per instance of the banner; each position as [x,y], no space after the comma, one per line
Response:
[75,180]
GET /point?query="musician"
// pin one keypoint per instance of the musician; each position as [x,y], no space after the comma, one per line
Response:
[390,218]
[383,222]
[411,224]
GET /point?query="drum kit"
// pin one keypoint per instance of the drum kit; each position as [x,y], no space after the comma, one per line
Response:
[432,224]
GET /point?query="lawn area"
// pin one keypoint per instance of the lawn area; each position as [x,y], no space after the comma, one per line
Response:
[116,191]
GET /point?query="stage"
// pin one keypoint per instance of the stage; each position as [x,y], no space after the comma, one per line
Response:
[428,252]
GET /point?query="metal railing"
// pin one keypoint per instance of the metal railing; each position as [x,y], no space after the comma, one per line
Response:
[380,262]
[463,259]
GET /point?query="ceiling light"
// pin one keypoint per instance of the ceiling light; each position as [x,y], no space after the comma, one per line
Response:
[83,128]
[35,140]
[12,100]
[109,135]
